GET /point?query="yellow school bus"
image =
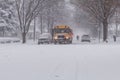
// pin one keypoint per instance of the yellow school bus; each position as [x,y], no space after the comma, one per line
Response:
[62,34]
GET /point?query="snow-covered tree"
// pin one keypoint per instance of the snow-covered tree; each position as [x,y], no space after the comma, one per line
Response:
[27,10]
[7,16]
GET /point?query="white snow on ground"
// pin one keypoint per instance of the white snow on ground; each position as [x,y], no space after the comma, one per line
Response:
[59,62]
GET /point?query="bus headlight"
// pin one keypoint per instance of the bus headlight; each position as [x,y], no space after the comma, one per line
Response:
[67,37]
[55,37]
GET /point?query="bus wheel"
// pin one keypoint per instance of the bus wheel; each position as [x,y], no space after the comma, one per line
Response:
[55,42]
[70,42]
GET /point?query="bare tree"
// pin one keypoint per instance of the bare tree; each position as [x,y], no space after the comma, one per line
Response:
[101,11]
[27,10]
[48,15]
[117,18]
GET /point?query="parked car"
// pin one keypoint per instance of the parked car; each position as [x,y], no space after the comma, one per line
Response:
[45,38]
[85,38]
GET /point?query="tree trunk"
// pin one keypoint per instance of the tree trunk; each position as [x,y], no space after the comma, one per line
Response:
[116,22]
[34,30]
[105,30]
[99,31]
[41,24]
[23,37]
[48,25]
[3,31]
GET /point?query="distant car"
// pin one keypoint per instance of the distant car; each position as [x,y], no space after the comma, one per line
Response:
[45,38]
[85,38]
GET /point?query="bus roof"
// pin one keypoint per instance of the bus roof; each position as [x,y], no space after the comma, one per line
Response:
[61,26]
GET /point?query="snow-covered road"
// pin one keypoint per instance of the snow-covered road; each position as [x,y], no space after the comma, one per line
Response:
[59,62]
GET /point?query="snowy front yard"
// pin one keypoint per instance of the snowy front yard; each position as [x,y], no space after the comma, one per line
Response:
[59,62]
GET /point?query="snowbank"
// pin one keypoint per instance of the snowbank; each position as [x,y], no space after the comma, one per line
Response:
[4,40]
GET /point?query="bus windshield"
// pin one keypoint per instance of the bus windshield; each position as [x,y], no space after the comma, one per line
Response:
[62,30]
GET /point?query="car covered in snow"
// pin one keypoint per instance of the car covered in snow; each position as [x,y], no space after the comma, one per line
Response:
[85,38]
[45,38]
